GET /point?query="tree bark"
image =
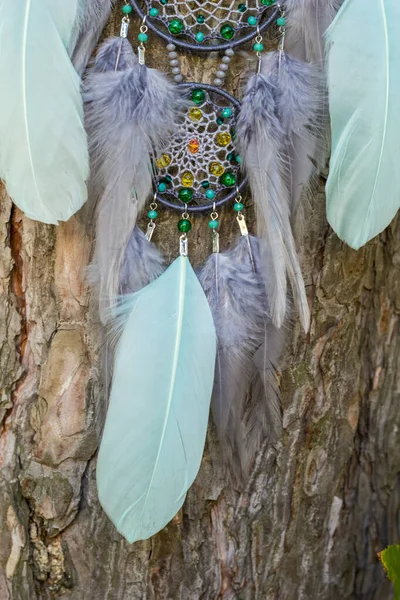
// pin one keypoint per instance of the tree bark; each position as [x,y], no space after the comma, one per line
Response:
[319,506]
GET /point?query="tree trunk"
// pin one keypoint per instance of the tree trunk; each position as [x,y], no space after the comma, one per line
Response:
[319,506]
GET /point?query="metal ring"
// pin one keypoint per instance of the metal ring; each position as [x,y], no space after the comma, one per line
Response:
[238,188]
[200,47]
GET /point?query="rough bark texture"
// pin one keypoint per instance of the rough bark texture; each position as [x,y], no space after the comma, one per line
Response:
[319,506]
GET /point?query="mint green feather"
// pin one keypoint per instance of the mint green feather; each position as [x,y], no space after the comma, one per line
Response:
[43,148]
[363,188]
[156,424]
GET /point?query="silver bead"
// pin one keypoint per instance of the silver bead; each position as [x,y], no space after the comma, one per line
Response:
[223,67]
[226,59]
[174,62]
[173,55]
[228,52]
[217,81]
[178,78]
[171,47]
[175,71]
[220,74]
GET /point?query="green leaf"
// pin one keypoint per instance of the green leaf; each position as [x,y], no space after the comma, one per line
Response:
[390,559]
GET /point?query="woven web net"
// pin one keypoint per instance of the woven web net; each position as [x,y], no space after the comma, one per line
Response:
[196,155]
[208,17]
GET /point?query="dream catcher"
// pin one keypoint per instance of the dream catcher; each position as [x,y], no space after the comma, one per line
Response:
[182,341]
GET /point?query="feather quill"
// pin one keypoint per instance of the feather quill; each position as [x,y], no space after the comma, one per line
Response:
[260,136]
[93,17]
[129,114]
[237,297]
[43,152]
[363,188]
[156,425]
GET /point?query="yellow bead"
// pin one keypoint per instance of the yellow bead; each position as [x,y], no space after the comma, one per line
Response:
[187,179]
[223,138]
[164,161]
[193,146]
[195,115]
[216,168]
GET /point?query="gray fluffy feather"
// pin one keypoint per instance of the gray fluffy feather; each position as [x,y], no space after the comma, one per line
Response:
[91,21]
[129,115]
[261,142]
[142,263]
[300,97]
[308,21]
[237,297]
[115,54]
[299,93]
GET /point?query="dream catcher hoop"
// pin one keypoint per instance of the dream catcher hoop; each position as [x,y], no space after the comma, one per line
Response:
[201,167]
[206,26]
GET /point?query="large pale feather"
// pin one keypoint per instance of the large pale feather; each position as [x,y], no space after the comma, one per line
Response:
[156,424]
[363,189]
[260,141]
[93,18]
[43,150]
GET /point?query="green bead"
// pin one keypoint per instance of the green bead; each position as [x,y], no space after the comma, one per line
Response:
[205,184]
[230,156]
[267,2]
[213,224]
[226,113]
[238,206]
[184,226]
[185,195]
[163,2]
[198,96]
[154,12]
[242,8]
[152,214]
[252,21]
[167,179]
[176,26]
[210,194]
[233,133]
[238,159]
[127,9]
[281,22]
[219,120]
[162,187]
[142,37]
[227,31]
[258,47]
[228,179]
[201,19]
[200,36]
